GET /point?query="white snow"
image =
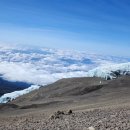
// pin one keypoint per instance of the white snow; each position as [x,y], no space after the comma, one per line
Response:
[10,96]
[110,71]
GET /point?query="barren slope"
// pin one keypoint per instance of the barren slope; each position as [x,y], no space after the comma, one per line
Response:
[78,92]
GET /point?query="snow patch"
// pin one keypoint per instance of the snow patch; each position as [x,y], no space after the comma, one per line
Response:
[10,96]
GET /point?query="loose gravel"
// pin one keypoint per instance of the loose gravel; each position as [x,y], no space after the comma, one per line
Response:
[98,119]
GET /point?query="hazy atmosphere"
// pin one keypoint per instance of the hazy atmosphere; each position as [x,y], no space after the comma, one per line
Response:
[97,26]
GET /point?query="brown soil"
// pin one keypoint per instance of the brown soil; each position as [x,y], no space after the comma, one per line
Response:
[95,103]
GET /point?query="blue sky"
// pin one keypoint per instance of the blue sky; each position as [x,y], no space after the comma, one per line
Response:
[99,26]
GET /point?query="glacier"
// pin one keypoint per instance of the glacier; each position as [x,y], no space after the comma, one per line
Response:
[10,96]
[110,71]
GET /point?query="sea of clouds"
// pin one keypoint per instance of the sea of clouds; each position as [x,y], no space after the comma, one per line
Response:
[41,66]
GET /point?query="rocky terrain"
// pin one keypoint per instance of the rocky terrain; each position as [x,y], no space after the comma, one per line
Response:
[97,119]
[71,104]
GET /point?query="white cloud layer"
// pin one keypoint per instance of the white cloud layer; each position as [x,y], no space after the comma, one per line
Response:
[44,66]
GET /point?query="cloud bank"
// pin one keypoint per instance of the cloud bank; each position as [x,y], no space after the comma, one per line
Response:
[44,65]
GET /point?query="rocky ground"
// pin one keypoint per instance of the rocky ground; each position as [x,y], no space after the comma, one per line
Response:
[97,119]
[96,104]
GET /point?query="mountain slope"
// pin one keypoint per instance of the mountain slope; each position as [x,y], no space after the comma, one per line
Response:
[64,88]
[78,91]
